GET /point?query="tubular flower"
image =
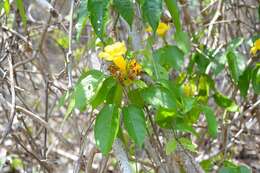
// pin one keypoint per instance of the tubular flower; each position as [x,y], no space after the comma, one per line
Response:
[161,30]
[256,47]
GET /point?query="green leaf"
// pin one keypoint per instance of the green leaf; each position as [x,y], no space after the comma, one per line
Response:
[115,95]
[158,97]
[183,41]
[20,6]
[86,89]
[171,146]
[207,165]
[125,9]
[187,143]
[244,81]
[225,102]
[175,13]
[256,79]
[7,7]
[106,127]
[203,88]
[82,17]
[98,10]
[201,61]
[106,87]
[211,120]
[134,122]
[135,98]
[16,163]
[152,10]
[233,65]
[165,117]
[183,125]
[230,167]
[170,56]
[244,169]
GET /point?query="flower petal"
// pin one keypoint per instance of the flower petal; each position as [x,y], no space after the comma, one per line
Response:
[120,63]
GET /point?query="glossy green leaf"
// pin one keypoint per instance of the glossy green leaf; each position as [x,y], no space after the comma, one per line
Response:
[82,17]
[183,41]
[136,98]
[201,61]
[86,89]
[20,6]
[134,122]
[211,120]
[106,127]
[175,13]
[152,10]
[244,81]
[225,102]
[256,79]
[165,117]
[97,11]
[171,146]
[170,56]
[115,95]
[125,9]
[233,65]
[158,97]
[106,87]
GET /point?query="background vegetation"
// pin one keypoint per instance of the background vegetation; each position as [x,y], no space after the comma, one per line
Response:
[127,86]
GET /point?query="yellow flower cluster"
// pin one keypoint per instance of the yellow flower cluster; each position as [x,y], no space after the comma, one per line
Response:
[161,30]
[256,47]
[124,70]
[115,53]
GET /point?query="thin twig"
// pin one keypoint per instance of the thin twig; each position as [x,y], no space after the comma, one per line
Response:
[69,54]
[12,113]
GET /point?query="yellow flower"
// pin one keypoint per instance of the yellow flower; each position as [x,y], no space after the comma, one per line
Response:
[113,51]
[161,30]
[120,63]
[255,47]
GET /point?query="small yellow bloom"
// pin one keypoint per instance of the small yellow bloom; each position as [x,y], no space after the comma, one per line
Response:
[161,30]
[256,47]
[113,51]
[120,63]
